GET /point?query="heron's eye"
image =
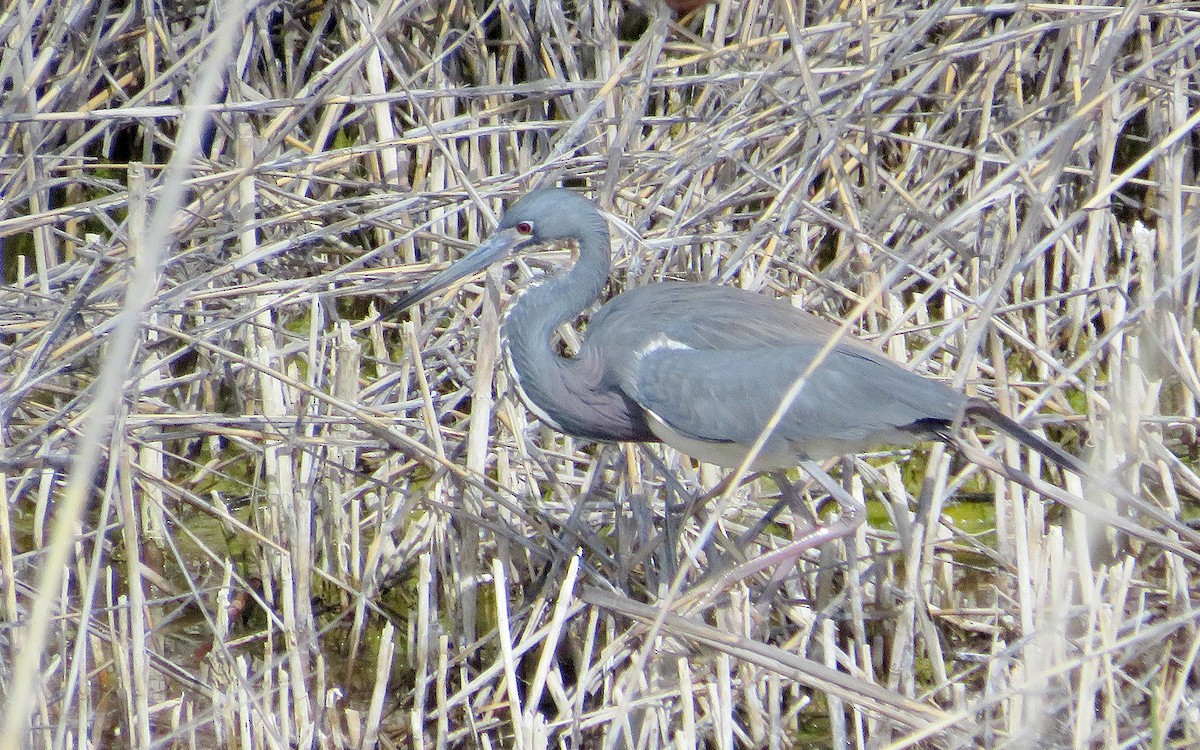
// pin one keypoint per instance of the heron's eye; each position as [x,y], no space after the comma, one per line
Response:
[525,228]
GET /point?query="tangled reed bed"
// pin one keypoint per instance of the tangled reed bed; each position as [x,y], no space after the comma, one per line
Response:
[240,510]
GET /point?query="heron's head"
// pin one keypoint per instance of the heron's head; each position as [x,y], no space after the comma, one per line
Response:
[539,217]
[551,214]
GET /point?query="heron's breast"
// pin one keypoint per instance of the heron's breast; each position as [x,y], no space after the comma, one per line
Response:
[531,403]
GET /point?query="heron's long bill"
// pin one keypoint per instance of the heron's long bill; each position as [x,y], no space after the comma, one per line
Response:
[494,249]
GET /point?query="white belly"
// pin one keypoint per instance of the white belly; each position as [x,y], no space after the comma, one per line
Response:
[776,454]
[729,455]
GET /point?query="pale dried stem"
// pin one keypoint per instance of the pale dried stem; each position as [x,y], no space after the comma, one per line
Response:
[1007,194]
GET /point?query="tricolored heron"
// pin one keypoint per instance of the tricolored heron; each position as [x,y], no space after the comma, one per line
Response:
[703,368]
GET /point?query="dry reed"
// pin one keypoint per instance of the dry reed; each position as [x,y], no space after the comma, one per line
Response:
[238,510]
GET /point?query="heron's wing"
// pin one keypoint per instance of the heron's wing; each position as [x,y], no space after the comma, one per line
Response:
[849,403]
[711,364]
[706,316]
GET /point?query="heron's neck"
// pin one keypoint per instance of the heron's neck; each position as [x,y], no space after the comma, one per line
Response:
[544,306]
[548,381]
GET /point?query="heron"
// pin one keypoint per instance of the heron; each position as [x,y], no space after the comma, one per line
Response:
[703,368]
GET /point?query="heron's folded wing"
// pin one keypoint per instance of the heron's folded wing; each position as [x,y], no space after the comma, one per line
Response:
[729,396]
[706,316]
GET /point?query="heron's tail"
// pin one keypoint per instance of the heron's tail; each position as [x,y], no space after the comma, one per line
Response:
[978,410]
[982,411]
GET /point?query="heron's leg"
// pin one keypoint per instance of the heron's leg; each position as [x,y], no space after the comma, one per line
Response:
[851,515]
[675,514]
[789,496]
[568,534]
[671,511]
[785,501]
[632,552]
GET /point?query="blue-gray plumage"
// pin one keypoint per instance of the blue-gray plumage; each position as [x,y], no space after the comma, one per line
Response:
[703,367]
[697,366]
